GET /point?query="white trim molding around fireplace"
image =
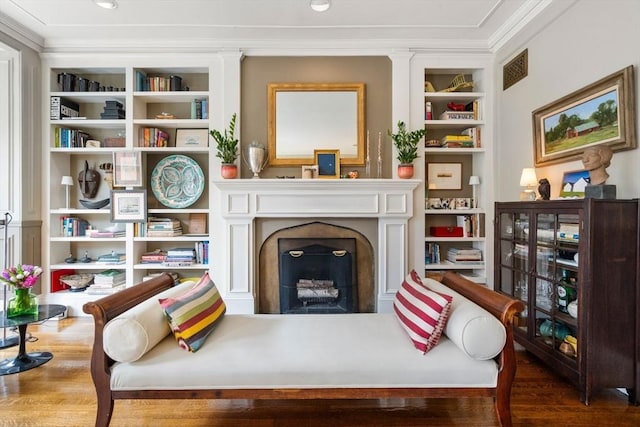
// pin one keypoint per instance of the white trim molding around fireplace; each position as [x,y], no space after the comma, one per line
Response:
[242,201]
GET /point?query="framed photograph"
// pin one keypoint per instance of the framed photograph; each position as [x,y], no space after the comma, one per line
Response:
[127,168]
[444,176]
[192,137]
[601,113]
[128,205]
[573,184]
[309,172]
[328,162]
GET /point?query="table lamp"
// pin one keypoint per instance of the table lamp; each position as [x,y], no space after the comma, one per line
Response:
[474,181]
[67,181]
[528,179]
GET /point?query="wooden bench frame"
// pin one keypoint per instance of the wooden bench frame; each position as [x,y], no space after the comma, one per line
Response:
[105,309]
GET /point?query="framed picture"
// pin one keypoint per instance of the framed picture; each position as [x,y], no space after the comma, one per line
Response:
[192,137]
[444,176]
[128,205]
[573,184]
[601,113]
[309,172]
[328,162]
[127,168]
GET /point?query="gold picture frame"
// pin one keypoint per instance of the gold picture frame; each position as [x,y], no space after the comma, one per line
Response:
[603,112]
[328,162]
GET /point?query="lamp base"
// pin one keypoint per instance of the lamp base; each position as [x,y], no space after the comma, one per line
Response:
[528,196]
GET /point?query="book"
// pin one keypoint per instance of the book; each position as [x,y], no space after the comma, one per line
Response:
[457,115]
[96,290]
[62,108]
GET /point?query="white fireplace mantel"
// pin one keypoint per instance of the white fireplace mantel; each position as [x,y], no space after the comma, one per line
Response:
[243,200]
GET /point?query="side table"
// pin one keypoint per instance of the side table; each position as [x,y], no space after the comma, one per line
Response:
[25,361]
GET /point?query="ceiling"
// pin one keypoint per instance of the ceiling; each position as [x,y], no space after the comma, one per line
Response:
[196,24]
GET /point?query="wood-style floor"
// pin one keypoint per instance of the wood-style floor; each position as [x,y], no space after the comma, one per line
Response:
[60,393]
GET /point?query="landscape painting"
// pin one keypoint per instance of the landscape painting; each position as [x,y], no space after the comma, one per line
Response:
[602,113]
[573,184]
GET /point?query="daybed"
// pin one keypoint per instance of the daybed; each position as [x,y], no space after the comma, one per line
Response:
[326,356]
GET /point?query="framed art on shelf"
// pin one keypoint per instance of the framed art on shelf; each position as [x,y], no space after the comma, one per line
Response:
[128,205]
[444,176]
[127,169]
[328,162]
[600,113]
[192,137]
[573,184]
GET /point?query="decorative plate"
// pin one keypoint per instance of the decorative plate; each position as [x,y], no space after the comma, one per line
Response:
[177,181]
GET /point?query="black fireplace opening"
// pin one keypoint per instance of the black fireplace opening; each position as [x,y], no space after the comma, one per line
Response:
[317,275]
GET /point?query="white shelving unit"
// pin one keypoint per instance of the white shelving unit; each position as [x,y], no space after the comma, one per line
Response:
[141,109]
[473,161]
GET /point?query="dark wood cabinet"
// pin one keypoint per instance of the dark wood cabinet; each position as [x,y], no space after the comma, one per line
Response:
[556,255]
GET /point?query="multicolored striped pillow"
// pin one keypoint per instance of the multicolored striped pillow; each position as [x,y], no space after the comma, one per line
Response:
[421,311]
[193,315]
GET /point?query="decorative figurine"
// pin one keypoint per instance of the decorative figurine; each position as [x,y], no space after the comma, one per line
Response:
[70,259]
[596,160]
[544,189]
[86,258]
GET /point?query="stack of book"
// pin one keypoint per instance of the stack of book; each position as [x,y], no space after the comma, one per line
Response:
[163,227]
[464,255]
[107,233]
[457,141]
[157,256]
[112,258]
[113,110]
[200,108]
[202,252]
[457,115]
[107,282]
[180,257]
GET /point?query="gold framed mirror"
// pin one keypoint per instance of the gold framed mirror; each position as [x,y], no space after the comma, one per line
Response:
[303,117]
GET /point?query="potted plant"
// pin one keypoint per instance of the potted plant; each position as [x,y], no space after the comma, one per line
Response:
[406,144]
[227,149]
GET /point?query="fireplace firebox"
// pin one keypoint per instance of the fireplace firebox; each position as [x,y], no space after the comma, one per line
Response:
[317,275]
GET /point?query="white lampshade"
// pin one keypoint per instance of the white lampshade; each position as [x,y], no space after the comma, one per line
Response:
[528,177]
[474,180]
[67,180]
[320,5]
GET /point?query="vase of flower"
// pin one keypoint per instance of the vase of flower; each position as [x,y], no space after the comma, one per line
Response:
[22,278]
[24,303]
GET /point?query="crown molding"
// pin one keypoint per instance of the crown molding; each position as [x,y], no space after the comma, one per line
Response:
[21,34]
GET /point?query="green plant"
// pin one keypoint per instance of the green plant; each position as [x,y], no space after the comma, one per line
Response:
[406,143]
[226,145]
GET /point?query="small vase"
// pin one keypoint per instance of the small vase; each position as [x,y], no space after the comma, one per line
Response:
[23,303]
[229,170]
[405,171]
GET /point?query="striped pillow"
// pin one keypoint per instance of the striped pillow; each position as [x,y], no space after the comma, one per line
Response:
[193,315]
[421,311]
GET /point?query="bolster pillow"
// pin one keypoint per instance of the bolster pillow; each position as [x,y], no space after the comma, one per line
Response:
[470,327]
[128,336]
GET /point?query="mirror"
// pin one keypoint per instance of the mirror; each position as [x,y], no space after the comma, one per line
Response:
[303,117]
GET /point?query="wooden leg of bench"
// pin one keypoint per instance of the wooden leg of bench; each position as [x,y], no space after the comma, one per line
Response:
[503,409]
[105,409]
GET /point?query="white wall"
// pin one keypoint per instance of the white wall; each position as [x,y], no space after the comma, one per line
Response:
[590,40]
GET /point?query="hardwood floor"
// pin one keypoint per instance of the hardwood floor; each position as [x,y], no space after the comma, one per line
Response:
[60,393]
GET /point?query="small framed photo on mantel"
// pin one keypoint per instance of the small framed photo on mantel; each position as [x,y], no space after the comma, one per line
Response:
[328,162]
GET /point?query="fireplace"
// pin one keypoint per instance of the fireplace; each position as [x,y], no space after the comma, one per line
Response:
[317,275]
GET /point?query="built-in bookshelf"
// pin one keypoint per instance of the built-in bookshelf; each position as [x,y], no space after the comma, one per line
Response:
[97,113]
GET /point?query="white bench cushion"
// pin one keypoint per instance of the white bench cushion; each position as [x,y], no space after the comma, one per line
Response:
[304,351]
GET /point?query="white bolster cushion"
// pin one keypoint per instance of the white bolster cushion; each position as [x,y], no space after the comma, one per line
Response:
[472,328]
[127,337]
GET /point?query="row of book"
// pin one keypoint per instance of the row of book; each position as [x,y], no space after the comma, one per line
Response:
[469,225]
[63,108]
[71,226]
[70,138]
[146,83]
[152,137]
[200,108]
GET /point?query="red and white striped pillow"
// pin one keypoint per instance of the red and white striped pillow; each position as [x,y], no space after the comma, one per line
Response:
[421,311]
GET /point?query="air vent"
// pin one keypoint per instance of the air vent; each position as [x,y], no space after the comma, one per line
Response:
[516,70]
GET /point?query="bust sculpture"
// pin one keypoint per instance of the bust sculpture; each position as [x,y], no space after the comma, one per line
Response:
[596,160]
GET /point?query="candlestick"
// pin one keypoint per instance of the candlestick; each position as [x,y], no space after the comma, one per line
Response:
[368,161]
[379,154]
